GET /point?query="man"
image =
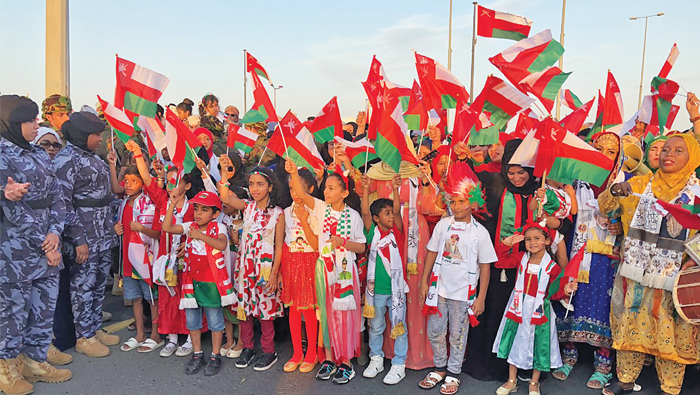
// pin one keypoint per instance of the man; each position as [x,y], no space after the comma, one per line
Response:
[232,114]
[56,109]
[89,230]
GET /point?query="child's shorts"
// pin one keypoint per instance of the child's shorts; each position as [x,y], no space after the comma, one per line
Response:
[135,289]
[215,318]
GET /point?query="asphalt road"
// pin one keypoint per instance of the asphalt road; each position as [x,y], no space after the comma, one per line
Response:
[133,373]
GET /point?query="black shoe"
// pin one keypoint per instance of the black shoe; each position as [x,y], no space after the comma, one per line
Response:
[213,366]
[265,362]
[246,358]
[326,371]
[344,374]
[195,364]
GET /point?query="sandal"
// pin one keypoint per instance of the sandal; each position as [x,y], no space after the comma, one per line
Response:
[563,372]
[505,391]
[431,380]
[616,389]
[598,380]
[150,345]
[537,387]
[130,344]
[450,386]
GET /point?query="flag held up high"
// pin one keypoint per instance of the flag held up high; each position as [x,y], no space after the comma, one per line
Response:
[138,89]
[497,24]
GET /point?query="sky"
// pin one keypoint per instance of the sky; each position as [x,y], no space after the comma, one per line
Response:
[320,49]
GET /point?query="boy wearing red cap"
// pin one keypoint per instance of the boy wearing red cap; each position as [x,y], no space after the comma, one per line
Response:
[206,280]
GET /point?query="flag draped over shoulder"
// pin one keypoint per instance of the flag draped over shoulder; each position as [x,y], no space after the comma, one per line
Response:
[180,142]
[138,89]
[501,25]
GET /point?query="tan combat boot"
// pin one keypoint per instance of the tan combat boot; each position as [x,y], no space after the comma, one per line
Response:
[11,380]
[91,347]
[34,371]
[106,338]
[57,358]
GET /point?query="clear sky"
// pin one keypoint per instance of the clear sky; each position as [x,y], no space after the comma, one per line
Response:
[318,49]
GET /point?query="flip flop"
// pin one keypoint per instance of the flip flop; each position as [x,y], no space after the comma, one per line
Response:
[616,389]
[130,344]
[150,345]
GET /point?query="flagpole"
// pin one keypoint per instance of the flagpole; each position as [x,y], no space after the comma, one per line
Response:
[471,85]
[449,42]
[245,81]
[561,59]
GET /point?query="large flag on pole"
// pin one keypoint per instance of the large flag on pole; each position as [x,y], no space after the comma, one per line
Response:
[501,25]
[670,61]
[262,110]
[180,142]
[138,89]
[253,66]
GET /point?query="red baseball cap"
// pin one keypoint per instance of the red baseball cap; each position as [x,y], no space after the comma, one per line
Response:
[206,198]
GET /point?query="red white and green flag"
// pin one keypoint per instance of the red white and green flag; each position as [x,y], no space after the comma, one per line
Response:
[670,61]
[502,101]
[483,132]
[575,120]
[501,25]
[327,124]
[416,116]
[598,123]
[648,115]
[292,140]
[572,101]
[374,89]
[393,143]
[612,111]
[685,214]
[117,119]
[545,85]
[138,89]
[527,56]
[253,66]
[180,142]
[155,134]
[359,152]
[262,110]
[527,122]
[441,89]
[241,138]
[663,91]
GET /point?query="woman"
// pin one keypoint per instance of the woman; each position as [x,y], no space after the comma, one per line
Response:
[49,140]
[651,154]
[207,139]
[643,318]
[30,256]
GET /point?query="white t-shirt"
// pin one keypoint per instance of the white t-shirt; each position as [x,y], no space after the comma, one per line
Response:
[357,233]
[198,246]
[455,277]
[294,236]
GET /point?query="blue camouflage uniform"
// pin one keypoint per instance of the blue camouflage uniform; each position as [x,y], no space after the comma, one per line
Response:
[87,195]
[28,285]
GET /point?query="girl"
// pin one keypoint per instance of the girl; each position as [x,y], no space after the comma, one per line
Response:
[337,286]
[299,256]
[171,320]
[207,139]
[255,274]
[527,336]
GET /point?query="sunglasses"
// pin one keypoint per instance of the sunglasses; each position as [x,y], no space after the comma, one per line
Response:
[232,115]
[46,145]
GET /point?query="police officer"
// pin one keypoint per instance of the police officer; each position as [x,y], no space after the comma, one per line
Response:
[30,256]
[89,230]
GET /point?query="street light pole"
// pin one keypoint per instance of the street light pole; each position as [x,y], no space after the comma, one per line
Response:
[644,50]
[275,88]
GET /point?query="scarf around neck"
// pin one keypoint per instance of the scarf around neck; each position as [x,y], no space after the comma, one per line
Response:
[341,274]
[515,310]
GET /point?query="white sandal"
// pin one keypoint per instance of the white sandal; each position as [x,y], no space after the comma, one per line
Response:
[150,345]
[506,391]
[130,345]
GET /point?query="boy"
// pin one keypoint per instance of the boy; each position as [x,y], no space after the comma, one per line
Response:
[386,285]
[206,282]
[460,252]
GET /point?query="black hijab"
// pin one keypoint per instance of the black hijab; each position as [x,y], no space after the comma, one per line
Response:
[79,126]
[530,186]
[14,111]
[238,179]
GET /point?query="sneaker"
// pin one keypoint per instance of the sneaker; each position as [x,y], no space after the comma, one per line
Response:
[376,366]
[344,374]
[195,364]
[91,347]
[265,362]
[326,372]
[185,350]
[57,358]
[213,366]
[168,350]
[106,338]
[246,358]
[395,375]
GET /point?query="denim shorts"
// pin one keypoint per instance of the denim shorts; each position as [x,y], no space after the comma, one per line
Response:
[215,318]
[135,289]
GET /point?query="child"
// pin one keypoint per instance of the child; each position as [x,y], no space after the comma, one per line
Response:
[386,283]
[527,336]
[337,285]
[205,281]
[256,272]
[299,256]
[139,243]
[459,256]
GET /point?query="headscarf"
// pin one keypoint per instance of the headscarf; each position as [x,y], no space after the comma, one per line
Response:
[646,151]
[443,150]
[79,126]
[617,163]
[667,186]
[43,131]
[199,131]
[531,185]
[14,111]
[238,178]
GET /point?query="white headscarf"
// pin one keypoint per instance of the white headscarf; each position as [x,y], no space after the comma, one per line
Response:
[43,131]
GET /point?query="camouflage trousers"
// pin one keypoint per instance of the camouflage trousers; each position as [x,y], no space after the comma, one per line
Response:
[87,292]
[26,317]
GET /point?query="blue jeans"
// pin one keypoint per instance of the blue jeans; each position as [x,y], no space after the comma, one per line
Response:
[377,325]
[215,318]
[136,289]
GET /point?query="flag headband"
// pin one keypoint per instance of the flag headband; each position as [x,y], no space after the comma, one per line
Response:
[260,173]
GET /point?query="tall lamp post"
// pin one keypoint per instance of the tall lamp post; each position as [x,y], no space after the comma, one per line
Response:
[276,88]
[644,50]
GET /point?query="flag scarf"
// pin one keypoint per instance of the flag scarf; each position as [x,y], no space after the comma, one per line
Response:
[262,110]
[670,61]
[241,138]
[545,85]
[155,137]
[327,123]
[441,89]
[530,55]
[572,101]
[501,25]
[118,120]
[141,247]
[138,88]
[502,101]
[612,111]
[392,143]
[253,66]
[180,142]
[359,152]
[574,121]
[300,146]
[515,310]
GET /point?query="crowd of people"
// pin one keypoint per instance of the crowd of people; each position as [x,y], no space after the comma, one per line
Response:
[453,266]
